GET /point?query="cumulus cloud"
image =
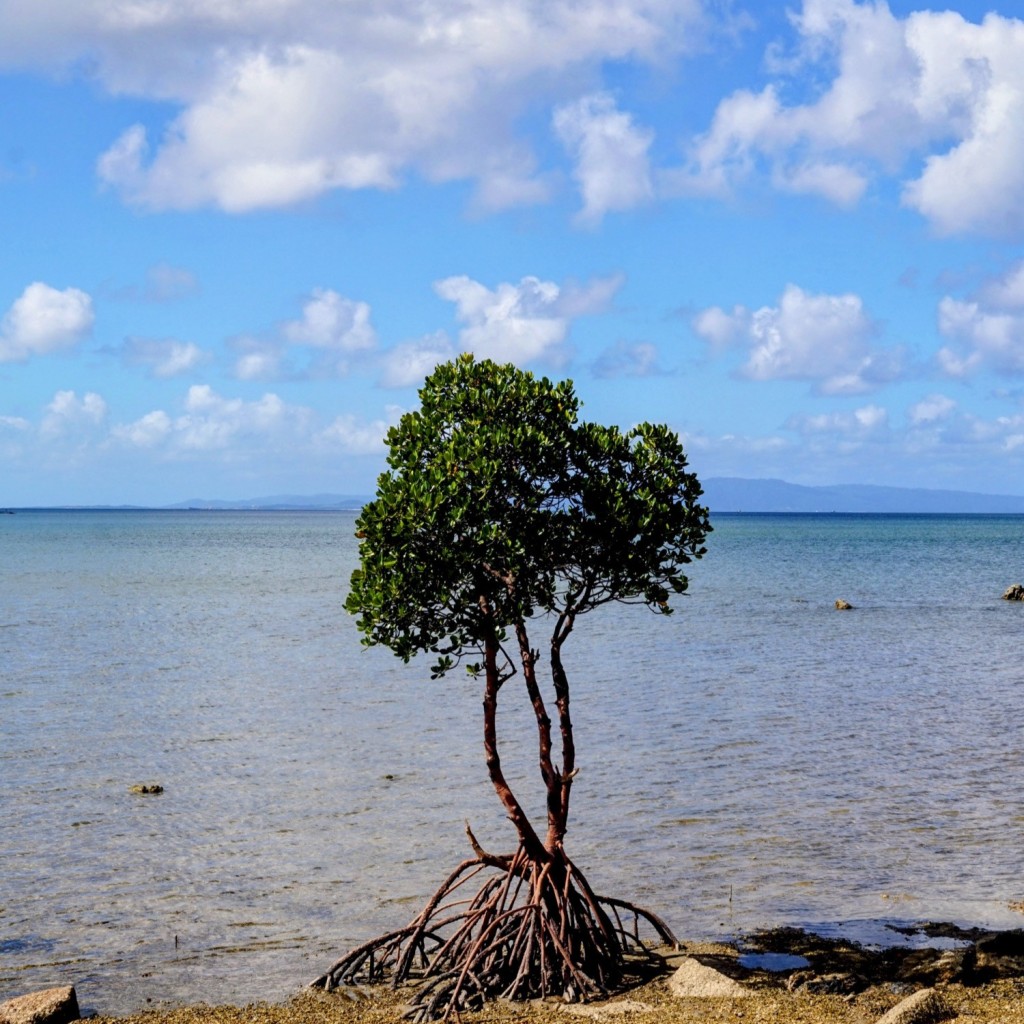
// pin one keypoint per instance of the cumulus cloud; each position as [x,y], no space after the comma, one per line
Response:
[986,330]
[612,166]
[525,321]
[353,436]
[44,320]
[214,426]
[722,329]
[147,431]
[1006,291]
[71,417]
[868,421]
[332,332]
[280,100]
[407,364]
[932,85]
[211,421]
[826,339]
[932,409]
[257,358]
[163,357]
[330,321]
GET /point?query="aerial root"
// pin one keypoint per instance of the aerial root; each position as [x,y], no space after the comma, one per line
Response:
[532,929]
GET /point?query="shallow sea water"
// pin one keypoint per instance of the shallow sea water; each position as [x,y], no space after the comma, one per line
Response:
[756,759]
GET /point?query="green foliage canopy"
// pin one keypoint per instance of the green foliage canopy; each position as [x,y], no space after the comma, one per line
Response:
[499,504]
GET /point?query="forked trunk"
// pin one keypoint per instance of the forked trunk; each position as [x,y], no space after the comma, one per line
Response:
[534,928]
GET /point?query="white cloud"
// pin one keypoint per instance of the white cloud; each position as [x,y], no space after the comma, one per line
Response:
[719,328]
[213,426]
[44,320]
[408,364]
[611,154]
[71,417]
[281,100]
[1007,290]
[146,432]
[985,330]
[525,321]
[332,332]
[954,364]
[355,437]
[932,409]
[257,358]
[821,338]
[163,357]
[212,422]
[930,85]
[839,184]
[330,321]
[858,424]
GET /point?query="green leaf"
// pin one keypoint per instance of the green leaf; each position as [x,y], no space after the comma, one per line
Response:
[500,504]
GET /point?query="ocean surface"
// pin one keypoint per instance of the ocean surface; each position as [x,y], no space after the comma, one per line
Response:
[756,759]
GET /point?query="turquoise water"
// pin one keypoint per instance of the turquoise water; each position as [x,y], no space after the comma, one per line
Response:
[757,759]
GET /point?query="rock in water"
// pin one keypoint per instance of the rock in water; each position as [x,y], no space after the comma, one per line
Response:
[1014,592]
[51,1006]
[843,606]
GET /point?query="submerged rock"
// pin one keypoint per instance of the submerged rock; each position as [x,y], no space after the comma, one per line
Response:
[147,788]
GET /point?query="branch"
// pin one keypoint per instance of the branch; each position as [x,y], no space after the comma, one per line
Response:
[493,860]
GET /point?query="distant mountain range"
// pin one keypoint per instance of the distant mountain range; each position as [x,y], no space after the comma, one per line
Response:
[721,494]
[735,494]
[278,503]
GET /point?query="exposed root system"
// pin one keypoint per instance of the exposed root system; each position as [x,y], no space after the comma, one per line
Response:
[534,928]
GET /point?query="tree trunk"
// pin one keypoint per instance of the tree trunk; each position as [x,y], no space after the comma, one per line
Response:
[535,927]
[492,683]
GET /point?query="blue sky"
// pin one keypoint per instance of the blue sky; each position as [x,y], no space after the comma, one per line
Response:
[238,233]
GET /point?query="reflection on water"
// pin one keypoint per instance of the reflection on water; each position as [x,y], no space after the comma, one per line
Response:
[758,759]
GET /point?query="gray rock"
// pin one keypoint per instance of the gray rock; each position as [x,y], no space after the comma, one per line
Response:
[696,980]
[923,1007]
[51,1006]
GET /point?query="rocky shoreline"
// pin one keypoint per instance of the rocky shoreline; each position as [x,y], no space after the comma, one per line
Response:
[782,975]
